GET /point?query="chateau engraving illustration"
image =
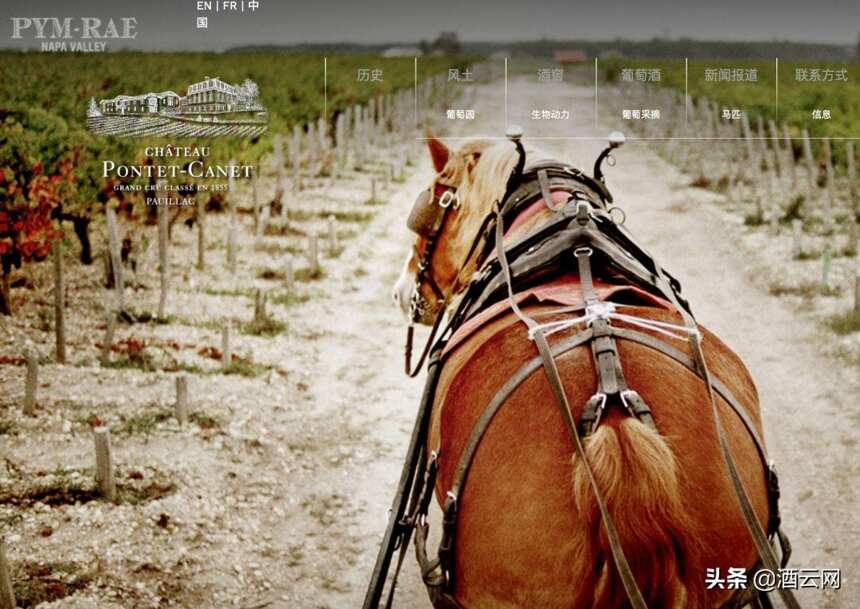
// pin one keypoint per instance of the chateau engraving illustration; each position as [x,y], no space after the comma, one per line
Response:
[209,108]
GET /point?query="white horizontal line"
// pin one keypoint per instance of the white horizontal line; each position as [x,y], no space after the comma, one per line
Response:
[629,138]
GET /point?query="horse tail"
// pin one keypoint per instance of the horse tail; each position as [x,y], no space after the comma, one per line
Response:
[637,476]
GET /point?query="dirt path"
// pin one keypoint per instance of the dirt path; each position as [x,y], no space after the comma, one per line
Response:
[809,399]
[278,489]
[357,383]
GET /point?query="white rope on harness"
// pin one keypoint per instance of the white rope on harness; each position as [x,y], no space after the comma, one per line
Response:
[607,310]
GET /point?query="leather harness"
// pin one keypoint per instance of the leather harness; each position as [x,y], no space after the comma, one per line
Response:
[581,233]
[427,219]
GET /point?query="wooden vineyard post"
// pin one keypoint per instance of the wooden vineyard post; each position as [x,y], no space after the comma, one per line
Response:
[852,176]
[764,207]
[332,235]
[7,592]
[201,234]
[104,463]
[226,352]
[797,238]
[107,345]
[312,150]
[372,190]
[826,259]
[350,141]
[358,137]
[370,123]
[752,164]
[163,261]
[264,222]
[773,202]
[313,253]
[295,162]
[765,166]
[231,231]
[59,301]
[702,164]
[255,201]
[811,169]
[281,179]
[181,407]
[853,236]
[857,290]
[789,156]
[115,260]
[340,144]
[853,203]
[323,135]
[761,139]
[289,274]
[830,175]
[31,384]
[777,152]
[735,171]
[260,313]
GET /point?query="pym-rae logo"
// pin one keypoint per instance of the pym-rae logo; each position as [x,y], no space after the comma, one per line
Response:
[75,35]
[209,108]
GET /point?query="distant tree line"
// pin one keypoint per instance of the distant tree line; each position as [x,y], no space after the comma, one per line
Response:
[448,43]
[679,47]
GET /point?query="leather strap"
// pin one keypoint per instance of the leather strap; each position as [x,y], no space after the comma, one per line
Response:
[434,575]
[546,191]
[683,359]
[467,456]
[396,533]
[531,260]
[628,580]
[410,337]
[758,535]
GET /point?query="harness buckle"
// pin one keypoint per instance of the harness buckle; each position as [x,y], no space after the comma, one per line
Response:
[630,400]
[583,212]
[602,405]
[617,215]
[593,412]
[449,198]
[416,304]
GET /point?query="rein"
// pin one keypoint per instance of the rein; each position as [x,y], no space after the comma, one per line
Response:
[410,337]
[551,370]
[427,219]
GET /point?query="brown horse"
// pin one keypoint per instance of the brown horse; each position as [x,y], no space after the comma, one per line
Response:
[529,534]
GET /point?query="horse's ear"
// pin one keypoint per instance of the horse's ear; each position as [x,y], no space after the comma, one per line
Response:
[438,152]
[472,161]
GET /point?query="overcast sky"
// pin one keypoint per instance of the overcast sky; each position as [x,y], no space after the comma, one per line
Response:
[171,25]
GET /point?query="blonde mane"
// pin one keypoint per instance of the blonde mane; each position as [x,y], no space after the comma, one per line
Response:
[479,190]
[486,184]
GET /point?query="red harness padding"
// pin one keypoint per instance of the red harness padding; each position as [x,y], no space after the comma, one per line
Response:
[565,291]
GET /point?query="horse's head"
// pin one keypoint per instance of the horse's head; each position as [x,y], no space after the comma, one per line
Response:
[446,218]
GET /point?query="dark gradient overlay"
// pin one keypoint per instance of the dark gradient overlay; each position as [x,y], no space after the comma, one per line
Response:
[171,24]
